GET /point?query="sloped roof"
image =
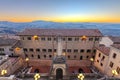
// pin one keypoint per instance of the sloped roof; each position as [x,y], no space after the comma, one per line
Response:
[105,50]
[115,39]
[61,32]
[116,46]
[7,42]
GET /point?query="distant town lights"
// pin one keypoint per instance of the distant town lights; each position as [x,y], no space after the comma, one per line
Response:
[3,72]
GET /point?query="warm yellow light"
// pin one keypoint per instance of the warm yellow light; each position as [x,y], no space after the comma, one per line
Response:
[27,59]
[35,37]
[17,48]
[114,72]
[83,37]
[3,72]
[91,59]
[64,54]
[81,76]
[37,76]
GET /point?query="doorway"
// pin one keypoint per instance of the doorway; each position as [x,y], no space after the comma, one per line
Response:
[59,74]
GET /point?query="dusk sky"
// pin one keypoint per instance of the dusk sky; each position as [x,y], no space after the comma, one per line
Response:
[60,10]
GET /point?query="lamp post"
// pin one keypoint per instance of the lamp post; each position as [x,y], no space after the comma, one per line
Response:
[80,76]
[114,72]
[3,72]
[27,59]
[36,76]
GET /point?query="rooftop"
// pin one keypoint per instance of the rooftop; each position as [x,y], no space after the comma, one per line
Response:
[116,46]
[7,42]
[105,50]
[61,32]
[115,39]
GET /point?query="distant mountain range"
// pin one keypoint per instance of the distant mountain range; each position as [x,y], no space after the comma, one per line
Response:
[105,28]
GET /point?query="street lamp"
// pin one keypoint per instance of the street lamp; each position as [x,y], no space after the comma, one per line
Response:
[114,72]
[3,72]
[80,76]
[27,59]
[37,76]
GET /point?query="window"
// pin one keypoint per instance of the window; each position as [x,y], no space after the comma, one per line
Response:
[55,50]
[77,39]
[69,39]
[23,38]
[55,39]
[99,55]
[98,61]
[74,56]
[25,49]
[111,64]
[49,39]
[69,50]
[114,55]
[88,51]
[10,49]
[37,50]
[68,56]
[101,64]
[96,39]
[103,58]
[31,50]
[63,39]
[49,50]
[29,38]
[1,49]
[81,57]
[42,38]
[50,56]
[44,56]
[43,50]
[87,57]
[90,39]
[36,37]
[75,50]
[118,70]
[82,50]
[38,56]
[32,55]
[26,55]
[94,51]
[64,50]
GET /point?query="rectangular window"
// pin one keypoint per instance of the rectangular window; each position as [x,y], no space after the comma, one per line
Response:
[49,50]
[64,50]
[63,38]
[49,39]
[103,58]
[42,38]
[1,49]
[43,50]
[10,49]
[31,50]
[111,64]
[29,38]
[55,39]
[55,50]
[76,38]
[114,55]
[94,51]
[82,50]
[88,51]
[37,50]
[96,39]
[69,50]
[25,49]
[99,55]
[23,38]
[90,39]
[69,39]
[118,70]
[76,50]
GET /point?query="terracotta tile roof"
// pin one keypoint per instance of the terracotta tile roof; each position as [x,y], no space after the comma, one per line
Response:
[115,39]
[61,32]
[7,42]
[104,50]
[116,46]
